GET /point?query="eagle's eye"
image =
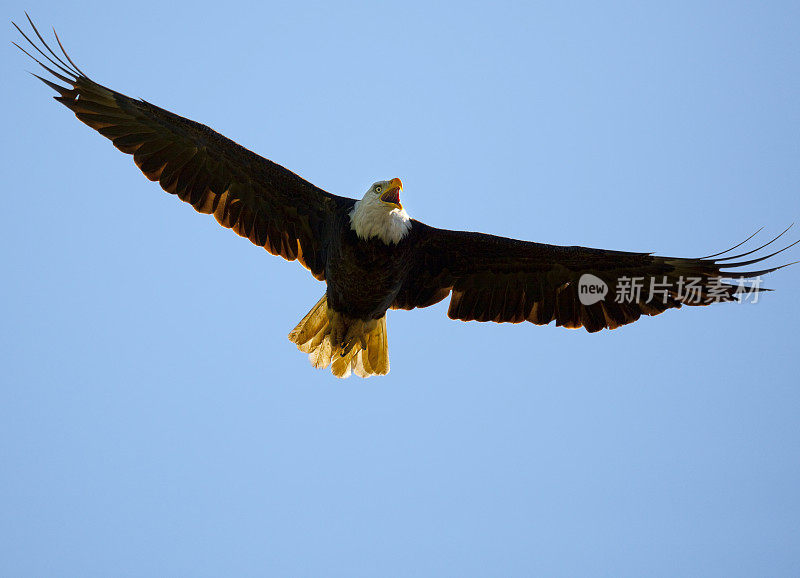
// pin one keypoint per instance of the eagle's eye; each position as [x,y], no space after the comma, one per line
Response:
[378,189]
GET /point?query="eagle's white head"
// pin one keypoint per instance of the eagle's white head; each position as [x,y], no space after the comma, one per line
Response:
[380,214]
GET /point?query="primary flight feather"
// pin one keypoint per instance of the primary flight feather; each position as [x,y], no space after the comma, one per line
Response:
[371,254]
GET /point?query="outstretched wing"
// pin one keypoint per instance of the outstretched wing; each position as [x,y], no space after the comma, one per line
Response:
[506,280]
[258,199]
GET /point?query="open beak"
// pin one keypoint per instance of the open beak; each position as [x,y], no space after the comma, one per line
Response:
[392,194]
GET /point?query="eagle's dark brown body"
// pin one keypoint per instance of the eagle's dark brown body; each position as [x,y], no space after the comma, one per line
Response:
[489,278]
[364,276]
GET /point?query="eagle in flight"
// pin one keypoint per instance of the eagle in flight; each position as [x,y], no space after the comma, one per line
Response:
[371,254]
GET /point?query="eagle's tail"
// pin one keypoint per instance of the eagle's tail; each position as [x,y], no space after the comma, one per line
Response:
[346,344]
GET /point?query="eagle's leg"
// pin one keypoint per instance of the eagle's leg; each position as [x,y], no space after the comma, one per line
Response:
[348,345]
[356,335]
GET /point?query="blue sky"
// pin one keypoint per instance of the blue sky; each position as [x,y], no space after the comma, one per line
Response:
[155,420]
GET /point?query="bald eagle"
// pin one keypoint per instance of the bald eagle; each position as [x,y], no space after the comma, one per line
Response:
[371,254]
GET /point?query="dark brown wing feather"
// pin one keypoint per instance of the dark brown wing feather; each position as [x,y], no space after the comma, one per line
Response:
[506,280]
[258,199]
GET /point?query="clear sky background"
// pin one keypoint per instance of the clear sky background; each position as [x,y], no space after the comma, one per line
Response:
[155,420]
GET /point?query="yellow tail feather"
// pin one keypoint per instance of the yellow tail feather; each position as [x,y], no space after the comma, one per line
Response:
[347,345]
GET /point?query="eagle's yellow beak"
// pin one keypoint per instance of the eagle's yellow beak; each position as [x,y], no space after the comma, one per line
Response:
[392,193]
